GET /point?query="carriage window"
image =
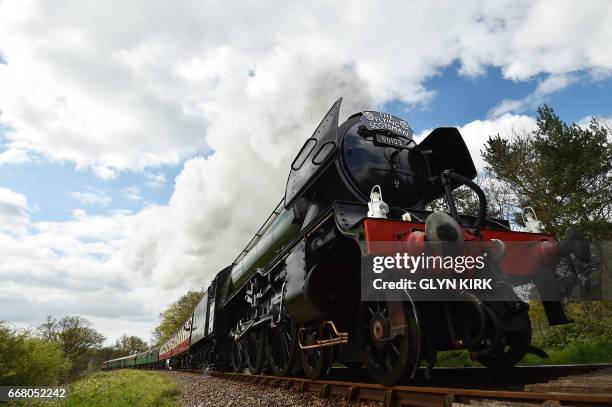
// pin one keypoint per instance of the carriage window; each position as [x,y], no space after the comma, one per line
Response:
[304,152]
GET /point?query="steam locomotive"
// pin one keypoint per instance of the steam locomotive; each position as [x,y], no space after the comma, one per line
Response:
[292,301]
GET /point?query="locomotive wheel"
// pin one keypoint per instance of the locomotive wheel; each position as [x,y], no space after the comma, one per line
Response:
[392,339]
[316,361]
[255,352]
[281,347]
[237,355]
[515,348]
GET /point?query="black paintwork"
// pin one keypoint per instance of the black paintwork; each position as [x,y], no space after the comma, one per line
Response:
[408,175]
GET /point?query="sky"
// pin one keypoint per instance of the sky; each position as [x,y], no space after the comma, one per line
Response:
[143,143]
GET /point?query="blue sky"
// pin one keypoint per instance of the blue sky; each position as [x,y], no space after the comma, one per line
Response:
[50,187]
[459,99]
[140,147]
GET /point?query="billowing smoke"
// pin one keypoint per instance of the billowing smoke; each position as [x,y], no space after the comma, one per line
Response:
[221,199]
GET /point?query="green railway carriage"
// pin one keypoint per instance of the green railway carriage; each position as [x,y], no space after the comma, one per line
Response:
[141,358]
[146,359]
[119,363]
[153,357]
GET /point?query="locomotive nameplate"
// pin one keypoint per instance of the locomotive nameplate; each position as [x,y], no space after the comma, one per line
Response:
[386,121]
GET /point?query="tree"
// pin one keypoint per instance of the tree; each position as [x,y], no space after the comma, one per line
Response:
[173,317]
[29,361]
[130,345]
[563,171]
[500,203]
[76,337]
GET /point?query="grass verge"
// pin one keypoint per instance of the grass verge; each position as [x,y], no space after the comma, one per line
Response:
[120,388]
[592,351]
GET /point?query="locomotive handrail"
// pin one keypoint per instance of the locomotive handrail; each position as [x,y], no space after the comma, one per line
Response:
[482,199]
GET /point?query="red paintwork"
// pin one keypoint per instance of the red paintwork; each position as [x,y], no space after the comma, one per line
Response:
[180,348]
[522,258]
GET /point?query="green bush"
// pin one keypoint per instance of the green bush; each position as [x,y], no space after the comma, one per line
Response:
[27,361]
[592,321]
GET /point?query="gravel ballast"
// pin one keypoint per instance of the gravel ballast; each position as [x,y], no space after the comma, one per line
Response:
[199,390]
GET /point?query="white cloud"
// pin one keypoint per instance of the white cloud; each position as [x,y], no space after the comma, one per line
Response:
[15,156]
[155,180]
[552,84]
[79,213]
[144,89]
[132,193]
[73,267]
[93,196]
[103,172]
[14,212]
[477,132]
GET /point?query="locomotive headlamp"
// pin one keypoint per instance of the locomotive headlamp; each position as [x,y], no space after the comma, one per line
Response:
[377,208]
[532,224]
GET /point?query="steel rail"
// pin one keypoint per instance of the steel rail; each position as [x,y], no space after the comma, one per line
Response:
[420,396]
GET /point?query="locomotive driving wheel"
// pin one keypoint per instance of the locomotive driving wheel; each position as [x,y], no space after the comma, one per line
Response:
[392,339]
[237,356]
[316,360]
[254,351]
[515,345]
[281,347]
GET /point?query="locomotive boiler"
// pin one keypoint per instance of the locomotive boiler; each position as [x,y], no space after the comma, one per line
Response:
[293,301]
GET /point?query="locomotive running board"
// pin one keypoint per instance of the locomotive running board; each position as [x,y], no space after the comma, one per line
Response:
[341,338]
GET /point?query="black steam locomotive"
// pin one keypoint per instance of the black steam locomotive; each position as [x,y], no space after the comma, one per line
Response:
[292,301]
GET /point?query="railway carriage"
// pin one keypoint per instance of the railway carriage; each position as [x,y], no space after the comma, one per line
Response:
[293,299]
[148,359]
[176,350]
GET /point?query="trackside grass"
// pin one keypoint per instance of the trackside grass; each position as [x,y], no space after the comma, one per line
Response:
[120,388]
[593,351]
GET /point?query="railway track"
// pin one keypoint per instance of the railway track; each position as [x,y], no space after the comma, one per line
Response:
[566,385]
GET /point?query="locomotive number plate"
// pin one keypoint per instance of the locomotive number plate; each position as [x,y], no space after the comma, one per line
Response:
[391,141]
